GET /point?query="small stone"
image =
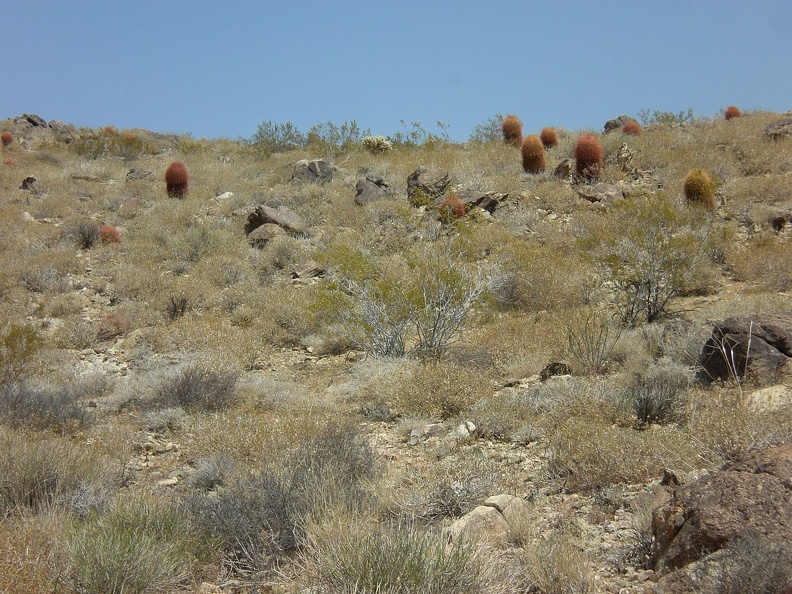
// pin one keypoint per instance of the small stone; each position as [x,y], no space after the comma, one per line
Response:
[168,482]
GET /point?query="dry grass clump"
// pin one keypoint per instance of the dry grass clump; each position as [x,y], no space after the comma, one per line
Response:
[555,564]
[135,546]
[439,390]
[764,260]
[259,518]
[39,472]
[349,557]
[198,388]
[32,553]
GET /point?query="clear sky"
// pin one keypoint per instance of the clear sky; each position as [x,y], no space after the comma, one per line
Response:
[218,69]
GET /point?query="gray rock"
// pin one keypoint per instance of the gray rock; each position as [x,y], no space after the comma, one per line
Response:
[37,121]
[564,169]
[601,192]
[770,399]
[29,184]
[313,170]
[61,129]
[755,347]
[281,216]
[138,174]
[779,129]
[488,201]
[371,189]
[263,234]
[484,523]
[424,185]
[617,123]
[309,269]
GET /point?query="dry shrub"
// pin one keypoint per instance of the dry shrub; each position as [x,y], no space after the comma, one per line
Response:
[135,547]
[765,260]
[112,326]
[31,554]
[440,390]
[261,516]
[590,454]
[724,429]
[555,564]
[40,471]
[198,388]
[348,557]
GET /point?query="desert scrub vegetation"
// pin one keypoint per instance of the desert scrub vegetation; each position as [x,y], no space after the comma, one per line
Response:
[250,411]
[659,253]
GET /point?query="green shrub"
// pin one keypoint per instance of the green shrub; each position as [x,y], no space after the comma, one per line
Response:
[277,138]
[133,548]
[591,338]
[651,257]
[19,348]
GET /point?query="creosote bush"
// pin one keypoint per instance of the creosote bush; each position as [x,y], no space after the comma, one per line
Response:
[588,157]
[512,130]
[699,188]
[177,180]
[651,257]
[533,154]
[549,138]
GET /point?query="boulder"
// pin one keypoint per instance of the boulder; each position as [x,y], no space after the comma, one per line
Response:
[484,523]
[749,347]
[371,188]
[488,201]
[554,369]
[617,123]
[601,192]
[564,169]
[313,170]
[263,234]
[36,121]
[748,498]
[779,129]
[61,129]
[138,174]
[769,399]
[424,185]
[281,216]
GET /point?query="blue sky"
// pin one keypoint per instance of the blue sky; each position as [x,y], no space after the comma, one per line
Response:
[218,69]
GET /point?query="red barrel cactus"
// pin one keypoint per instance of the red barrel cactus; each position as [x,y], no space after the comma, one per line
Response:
[512,130]
[177,180]
[549,138]
[732,112]
[632,128]
[533,154]
[588,157]
[451,208]
[6,138]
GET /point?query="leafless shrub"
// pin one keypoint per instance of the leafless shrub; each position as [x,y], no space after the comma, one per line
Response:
[198,388]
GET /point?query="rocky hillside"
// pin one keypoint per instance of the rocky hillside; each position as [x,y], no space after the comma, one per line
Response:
[388,366]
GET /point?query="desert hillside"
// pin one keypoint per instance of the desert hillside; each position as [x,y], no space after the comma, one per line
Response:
[544,361]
